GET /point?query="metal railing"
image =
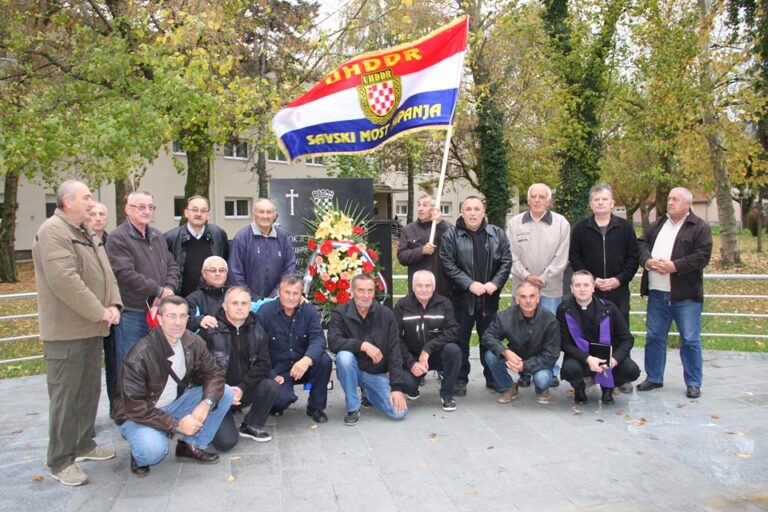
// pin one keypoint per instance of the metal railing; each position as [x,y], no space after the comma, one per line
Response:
[401,277]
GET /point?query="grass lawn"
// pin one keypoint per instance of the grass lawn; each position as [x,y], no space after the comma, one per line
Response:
[753,263]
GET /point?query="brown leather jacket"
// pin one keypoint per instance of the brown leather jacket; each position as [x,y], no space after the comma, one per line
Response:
[145,372]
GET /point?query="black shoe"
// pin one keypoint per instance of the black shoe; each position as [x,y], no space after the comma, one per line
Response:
[449,404]
[352,418]
[555,381]
[257,434]
[524,381]
[607,396]
[317,415]
[413,396]
[138,470]
[365,403]
[276,413]
[187,451]
[580,394]
[692,392]
[491,385]
[461,388]
[647,385]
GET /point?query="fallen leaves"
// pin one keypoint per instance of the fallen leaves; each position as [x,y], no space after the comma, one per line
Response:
[576,411]
[744,455]
[37,478]
[432,437]
[231,478]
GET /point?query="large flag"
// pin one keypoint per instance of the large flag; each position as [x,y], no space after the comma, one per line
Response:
[378,96]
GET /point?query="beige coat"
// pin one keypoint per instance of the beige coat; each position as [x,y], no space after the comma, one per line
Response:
[75,282]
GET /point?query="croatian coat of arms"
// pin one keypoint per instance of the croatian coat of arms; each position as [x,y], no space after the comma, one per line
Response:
[380,95]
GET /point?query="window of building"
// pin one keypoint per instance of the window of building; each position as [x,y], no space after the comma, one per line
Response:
[446,208]
[237,149]
[177,149]
[179,203]
[401,208]
[315,160]
[236,208]
[50,205]
[275,155]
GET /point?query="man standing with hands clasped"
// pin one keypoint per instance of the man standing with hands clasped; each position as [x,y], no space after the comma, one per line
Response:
[77,299]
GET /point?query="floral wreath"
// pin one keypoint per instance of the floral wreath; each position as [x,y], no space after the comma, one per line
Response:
[339,252]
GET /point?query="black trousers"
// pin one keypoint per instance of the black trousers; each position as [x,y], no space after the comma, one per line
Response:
[318,375]
[574,370]
[110,368]
[261,398]
[447,360]
[466,322]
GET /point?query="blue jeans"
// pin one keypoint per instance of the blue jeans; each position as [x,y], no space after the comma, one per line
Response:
[149,446]
[132,327]
[687,317]
[498,366]
[376,386]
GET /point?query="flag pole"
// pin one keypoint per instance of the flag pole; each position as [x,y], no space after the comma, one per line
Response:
[441,182]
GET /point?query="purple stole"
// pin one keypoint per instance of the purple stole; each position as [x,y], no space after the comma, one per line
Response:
[605,379]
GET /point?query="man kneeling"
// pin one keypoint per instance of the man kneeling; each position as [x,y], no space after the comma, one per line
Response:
[241,348]
[587,320]
[363,334]
[428,338]
[297,348]
[157,398]
[533,348]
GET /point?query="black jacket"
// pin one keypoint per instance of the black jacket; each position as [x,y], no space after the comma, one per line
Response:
[145,372]
[428,329]
[252,350]
[347,331]
[457,257]
[180,235]
[690,254]
[205,301]
[612,255]
[621,339]
[536,342]
[413,238]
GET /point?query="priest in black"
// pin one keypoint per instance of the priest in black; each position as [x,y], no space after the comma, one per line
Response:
[590,328]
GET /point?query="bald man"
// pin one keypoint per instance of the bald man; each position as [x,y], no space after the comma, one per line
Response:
[260,254]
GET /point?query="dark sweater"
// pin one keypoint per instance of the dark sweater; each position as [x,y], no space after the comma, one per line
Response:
[197,250]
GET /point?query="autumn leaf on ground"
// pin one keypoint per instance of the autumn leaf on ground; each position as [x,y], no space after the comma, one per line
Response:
[743,455]
[576,411]
[235,457]
[231,478]
[734,433]
[313,426]
[432,437]
[641,421]
[714,416]
[472,492]
[37,478]
[490,447]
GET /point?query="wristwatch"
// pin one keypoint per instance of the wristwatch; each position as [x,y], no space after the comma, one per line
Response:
[209,402]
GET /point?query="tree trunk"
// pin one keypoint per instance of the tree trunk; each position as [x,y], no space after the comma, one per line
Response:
[645,216]
[8,210]
[198,170]
[123,188]
[729,229]
[261,172]
[760,191]
[409,169]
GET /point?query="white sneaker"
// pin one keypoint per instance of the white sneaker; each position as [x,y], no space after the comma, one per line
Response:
[71,475]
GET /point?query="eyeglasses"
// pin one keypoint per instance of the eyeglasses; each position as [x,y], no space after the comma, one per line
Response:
[144,207]
[198,210]
[216,270]
[174,316]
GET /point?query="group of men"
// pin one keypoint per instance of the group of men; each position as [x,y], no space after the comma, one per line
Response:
[244,335]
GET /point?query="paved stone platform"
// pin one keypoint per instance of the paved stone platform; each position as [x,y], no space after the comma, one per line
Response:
[650,451]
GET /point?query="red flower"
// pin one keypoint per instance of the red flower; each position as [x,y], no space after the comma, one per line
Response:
[343,284]
[330,286]
[352,250]
[367,267]
[311,244]
[326,248]
[312,270]
[358,230]
[380,285]
[320,297]
[342,297]
[373,255]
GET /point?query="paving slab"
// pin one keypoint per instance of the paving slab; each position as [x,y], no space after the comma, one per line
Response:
[650,451]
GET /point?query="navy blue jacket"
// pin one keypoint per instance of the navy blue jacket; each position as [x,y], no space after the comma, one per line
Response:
[292,337]
[258,261]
